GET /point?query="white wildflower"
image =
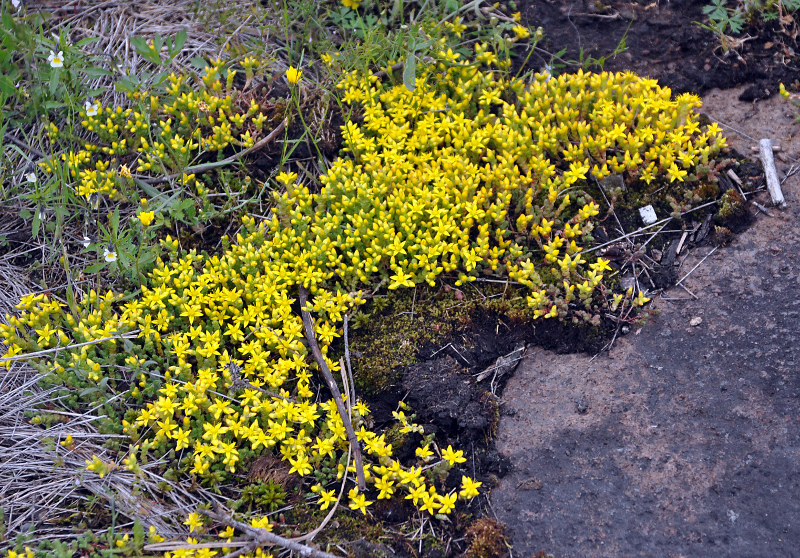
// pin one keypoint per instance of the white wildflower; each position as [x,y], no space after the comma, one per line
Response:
[109,255]
[92,108]
[56,60]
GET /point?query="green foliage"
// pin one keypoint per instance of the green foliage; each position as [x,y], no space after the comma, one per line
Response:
[151,50]
[265,496]
[723,19]
[506,193]
[113,543]
[454,171]
[51,72]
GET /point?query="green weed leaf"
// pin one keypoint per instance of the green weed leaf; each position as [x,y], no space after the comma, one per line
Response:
[178,42]
[37,222]
[55,79]
[7,86]
[410,72]
[95,72]
[150,54]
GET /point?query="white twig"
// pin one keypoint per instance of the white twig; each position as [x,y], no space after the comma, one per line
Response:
[771,175]
[696,266]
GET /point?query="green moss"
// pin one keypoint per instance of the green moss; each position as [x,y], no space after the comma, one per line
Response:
[347,526]
[267,496]
[732,207]
[391,330]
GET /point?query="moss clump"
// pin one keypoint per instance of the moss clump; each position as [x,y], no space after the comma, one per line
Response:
[486,539]
[390,331]
[267,497]
[732,210]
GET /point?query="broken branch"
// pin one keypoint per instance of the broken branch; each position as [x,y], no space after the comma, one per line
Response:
[337,396]
[197,169]
[773,184]
[262,537]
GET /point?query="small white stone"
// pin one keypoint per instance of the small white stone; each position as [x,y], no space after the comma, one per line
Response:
[648,214]
[696,321]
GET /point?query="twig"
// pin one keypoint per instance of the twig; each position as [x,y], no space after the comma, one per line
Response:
[197,169]
[309,536]
[696,266]
[263,537]
[694,296]
[178,545]
[239,382]
[347,359]
[792,171]
[680,242]
[640,229]
[392,69]
[129,335]
[762,209]
[773,184]
[337,396]
[23,145]
[652,236]
[454,350]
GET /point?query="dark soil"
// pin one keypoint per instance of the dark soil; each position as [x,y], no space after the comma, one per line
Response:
[663,42]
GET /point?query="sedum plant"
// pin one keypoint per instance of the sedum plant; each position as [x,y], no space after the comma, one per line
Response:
[469,174]
[162,135]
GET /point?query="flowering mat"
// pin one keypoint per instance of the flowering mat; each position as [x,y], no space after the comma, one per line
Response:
[324,301]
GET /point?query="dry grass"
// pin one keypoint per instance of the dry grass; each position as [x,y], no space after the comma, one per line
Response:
[43,485]
[212,28]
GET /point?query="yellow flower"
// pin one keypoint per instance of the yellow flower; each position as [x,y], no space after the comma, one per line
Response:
[293,75]
[429,503]
[641,300]
[358,501]
[194,522]
[675,173]
[424,452]
[452,456]
[261,523]
[326,498]
[401,279]
[300,465]
[416,493]
[386,486]
[469,487]
[447,502]
[146,217]
[286,178]
[521,32]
